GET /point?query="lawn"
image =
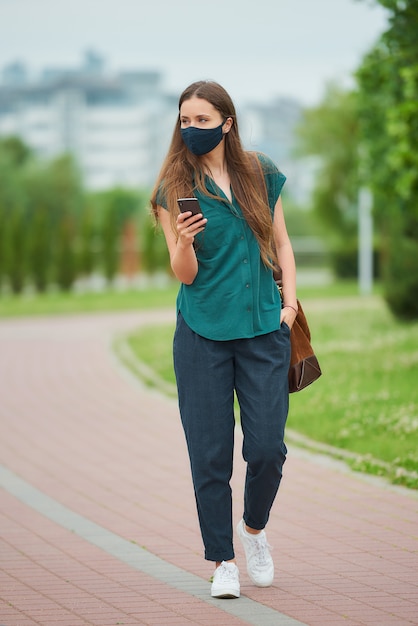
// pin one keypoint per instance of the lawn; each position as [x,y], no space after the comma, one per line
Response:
[56,303]
[365,406]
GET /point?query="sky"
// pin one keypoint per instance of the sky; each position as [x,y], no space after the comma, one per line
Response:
[257,49]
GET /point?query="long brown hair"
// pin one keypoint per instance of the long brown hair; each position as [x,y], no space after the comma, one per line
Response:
[182,173]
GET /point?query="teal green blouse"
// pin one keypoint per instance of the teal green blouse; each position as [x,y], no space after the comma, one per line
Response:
[233,295]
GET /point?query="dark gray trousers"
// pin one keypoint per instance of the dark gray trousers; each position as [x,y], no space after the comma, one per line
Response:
[207,373]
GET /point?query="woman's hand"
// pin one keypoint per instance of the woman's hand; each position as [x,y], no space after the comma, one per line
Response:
[188,226]
[288,315]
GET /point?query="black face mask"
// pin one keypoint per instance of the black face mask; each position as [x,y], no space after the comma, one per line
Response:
[202,140]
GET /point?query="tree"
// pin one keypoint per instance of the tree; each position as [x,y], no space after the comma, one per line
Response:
[55,200]
[51,231]
[153,246]
[14,155]
[388,107]
[87,241]
[15,248]
[116,206]
[330,132]
[16,150]
[39,249]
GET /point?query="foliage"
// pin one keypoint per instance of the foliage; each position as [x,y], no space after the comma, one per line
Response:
[3,270]
[15,238]
[65,254]
[388,104]
[330,132]
[115,208]
[13,156]
[62,183]
[52,231]
[39,205]
[16,150]
[39,251]
[401,279]
[110,236]
[300,222]
[153,246]
[88,237]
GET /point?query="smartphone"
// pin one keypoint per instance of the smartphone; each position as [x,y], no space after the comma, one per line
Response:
[189,204]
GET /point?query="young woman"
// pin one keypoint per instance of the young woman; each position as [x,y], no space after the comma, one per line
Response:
[233,326]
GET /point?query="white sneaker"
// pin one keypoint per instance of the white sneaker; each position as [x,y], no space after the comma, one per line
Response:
[260,566]
[225,581]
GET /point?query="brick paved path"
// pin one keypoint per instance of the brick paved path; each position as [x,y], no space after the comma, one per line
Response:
[97,516]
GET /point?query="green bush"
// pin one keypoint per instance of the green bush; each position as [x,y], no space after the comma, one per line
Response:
[155,255]
[87,243]
[401,279]
[115,208]
[52,231]
[110,237]
[345,263]
[15,242]
[65,255]
[39,250]
[388,109]
[3,271]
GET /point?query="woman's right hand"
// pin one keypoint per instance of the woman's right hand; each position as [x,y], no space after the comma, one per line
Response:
[180,245]
[188,226]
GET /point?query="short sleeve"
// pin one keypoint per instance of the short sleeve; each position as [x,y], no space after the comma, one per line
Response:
[160,198]
[274,178]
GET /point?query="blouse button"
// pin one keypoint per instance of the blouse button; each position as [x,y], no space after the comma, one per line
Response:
[245,261]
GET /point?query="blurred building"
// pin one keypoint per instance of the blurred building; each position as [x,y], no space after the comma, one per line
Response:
[271,128]
[117,126]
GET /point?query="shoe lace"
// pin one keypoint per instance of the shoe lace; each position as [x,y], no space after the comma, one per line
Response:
[225,572]
[260,550]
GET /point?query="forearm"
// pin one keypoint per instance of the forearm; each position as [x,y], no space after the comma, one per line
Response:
[182,254]
[184,263]
[285,257]
[286,261]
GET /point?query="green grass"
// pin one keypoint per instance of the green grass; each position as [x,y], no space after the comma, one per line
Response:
[56,303]
[152,345]
[367,399]
[366,402]
[109,300]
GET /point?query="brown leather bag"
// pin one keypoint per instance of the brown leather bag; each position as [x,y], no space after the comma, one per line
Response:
[304,368]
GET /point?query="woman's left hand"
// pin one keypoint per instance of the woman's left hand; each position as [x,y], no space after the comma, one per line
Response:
[288,315]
